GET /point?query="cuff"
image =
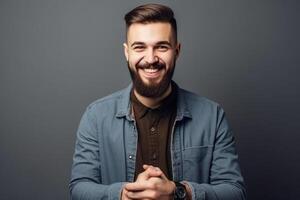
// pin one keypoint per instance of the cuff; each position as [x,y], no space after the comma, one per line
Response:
[115,191]
[195,192]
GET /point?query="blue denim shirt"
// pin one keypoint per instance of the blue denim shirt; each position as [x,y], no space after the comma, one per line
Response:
[202,149]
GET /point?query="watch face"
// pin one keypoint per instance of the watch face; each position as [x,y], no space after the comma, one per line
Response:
[180,192]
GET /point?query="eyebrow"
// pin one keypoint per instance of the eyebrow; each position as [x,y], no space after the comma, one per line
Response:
[158,43]
[137,43]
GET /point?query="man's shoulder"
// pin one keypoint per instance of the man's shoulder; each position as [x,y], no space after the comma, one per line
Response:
[110,101]
[199,107]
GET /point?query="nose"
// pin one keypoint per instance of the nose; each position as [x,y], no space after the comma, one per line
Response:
[150,56]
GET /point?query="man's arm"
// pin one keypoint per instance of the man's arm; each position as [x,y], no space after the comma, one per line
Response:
[85,180]
[226,181]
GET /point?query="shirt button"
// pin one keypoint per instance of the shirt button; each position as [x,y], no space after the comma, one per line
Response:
[154,156]
[152,129]
[130,156]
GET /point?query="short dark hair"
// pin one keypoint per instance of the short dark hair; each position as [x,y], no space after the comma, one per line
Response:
[149,13]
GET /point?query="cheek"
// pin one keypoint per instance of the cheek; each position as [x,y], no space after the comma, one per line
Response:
[134,59]
[169,59]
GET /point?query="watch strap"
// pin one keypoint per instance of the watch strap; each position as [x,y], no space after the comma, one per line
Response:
[180,191]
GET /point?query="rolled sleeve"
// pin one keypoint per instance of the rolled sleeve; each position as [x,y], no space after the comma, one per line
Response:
[226,181]
[93,191]
[85,180]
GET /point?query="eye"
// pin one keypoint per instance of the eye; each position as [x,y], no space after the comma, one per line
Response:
[162,48]
[139,48]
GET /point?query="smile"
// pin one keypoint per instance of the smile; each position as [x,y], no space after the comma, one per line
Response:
[151,73]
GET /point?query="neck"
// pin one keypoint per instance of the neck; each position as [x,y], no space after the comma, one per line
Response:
[151,102]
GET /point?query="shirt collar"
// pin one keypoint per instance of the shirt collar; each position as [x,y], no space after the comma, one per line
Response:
[168,104]
[124,108]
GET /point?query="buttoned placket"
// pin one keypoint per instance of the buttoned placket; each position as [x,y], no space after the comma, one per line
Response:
[132,154]
[175,148]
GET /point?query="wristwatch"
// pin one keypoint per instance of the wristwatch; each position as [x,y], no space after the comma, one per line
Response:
[180,191]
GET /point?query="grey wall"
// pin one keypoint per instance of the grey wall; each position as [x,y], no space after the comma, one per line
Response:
[58,56]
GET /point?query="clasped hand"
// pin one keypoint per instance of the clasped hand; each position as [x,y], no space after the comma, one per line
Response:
[150,184]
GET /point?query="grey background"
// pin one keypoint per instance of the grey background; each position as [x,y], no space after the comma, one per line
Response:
[56,57]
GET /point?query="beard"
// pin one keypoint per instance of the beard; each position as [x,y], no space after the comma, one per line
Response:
[152,89]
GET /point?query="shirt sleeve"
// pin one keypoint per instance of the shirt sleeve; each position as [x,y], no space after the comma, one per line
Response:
[226,181]
[85,180]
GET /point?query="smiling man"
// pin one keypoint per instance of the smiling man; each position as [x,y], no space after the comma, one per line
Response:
[154,140]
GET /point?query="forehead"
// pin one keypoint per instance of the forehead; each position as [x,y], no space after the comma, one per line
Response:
[149,33]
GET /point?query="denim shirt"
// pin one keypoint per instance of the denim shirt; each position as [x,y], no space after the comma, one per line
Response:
[202,149]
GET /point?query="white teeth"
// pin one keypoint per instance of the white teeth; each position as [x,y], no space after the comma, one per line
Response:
[150,70]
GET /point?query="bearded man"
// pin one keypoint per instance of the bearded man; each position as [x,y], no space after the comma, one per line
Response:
[154,140]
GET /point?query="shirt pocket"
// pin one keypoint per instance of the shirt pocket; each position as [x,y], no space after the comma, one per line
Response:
[196,163]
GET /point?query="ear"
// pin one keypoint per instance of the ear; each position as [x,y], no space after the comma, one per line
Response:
[126,50]
[177,50]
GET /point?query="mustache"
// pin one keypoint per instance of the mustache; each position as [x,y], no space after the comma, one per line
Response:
[156,65]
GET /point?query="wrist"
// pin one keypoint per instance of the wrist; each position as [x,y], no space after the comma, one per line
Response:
[172,190]
[180,192]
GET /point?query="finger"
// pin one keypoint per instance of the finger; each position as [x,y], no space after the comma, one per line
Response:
[149,172]
[145,194]
[138,186]
[163,176]
[152,168]
[146,166]
[153,171]
[124,195]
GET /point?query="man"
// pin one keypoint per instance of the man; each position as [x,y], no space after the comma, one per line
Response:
[154,140]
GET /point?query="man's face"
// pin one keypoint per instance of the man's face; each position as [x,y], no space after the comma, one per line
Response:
[151,52]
